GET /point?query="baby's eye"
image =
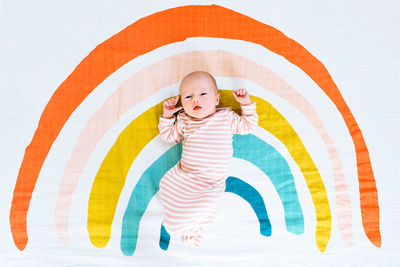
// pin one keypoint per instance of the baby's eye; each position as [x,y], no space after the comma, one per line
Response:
[203,93]
[187,97]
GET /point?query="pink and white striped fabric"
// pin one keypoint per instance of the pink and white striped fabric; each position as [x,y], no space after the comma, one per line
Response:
[191,189]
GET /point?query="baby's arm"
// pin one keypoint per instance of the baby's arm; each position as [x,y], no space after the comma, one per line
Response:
[248,121]
[170,127]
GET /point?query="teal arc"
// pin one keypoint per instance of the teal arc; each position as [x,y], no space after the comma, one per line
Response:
[247,147]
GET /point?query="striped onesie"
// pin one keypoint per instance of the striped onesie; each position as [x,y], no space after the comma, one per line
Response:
[191,189]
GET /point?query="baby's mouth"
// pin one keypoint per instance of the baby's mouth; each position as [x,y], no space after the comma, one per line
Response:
[196,108]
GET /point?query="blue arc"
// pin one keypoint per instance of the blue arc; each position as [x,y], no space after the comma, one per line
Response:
[253,197]
[247,147]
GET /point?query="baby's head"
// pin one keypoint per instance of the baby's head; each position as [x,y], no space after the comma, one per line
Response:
[199,94]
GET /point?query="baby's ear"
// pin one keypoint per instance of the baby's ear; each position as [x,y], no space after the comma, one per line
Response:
[218,98]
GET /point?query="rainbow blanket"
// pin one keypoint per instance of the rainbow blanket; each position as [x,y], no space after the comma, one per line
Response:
[82,89]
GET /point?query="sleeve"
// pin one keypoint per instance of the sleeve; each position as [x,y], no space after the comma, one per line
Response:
[171,130]
[247,122]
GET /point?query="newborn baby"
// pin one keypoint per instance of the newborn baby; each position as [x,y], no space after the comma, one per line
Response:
[190,191]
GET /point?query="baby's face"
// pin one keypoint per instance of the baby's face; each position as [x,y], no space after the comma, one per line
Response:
[199,97]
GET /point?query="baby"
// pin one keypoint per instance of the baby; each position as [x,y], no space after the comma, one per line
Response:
[190,191]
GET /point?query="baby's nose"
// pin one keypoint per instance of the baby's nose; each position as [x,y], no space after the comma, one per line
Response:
[195,99]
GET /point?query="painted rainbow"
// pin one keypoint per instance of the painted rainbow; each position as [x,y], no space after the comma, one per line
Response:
[159,29]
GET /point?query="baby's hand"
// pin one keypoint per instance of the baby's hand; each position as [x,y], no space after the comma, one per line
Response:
[169,107]
[241,96]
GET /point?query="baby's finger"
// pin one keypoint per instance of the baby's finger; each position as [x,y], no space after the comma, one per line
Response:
[234,93]
[172,101]
[169,103]
[178,108]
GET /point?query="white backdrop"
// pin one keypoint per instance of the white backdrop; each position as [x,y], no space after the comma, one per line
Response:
[43,41]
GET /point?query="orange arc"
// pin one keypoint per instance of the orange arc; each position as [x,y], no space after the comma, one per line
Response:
[149,33]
